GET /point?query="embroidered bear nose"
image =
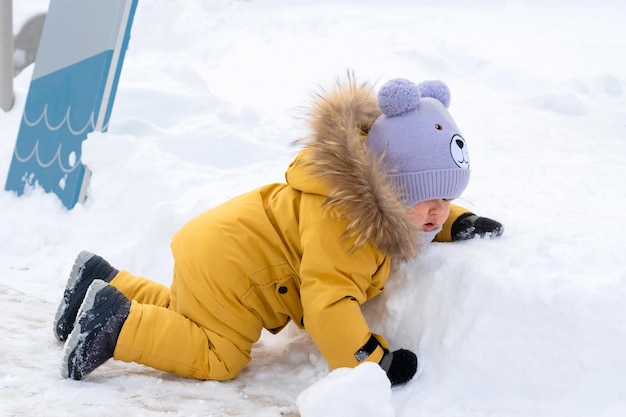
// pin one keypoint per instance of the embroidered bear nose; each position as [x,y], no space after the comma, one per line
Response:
[460,143]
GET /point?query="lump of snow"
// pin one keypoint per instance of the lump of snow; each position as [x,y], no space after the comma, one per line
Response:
[567,104]
[611,85]
[363,391]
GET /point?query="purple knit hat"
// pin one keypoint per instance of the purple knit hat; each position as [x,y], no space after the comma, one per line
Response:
[422,149]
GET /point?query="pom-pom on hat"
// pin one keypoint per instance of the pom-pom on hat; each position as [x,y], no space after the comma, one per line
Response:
[419,143]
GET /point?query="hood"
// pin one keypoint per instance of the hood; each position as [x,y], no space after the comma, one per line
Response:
[335,163]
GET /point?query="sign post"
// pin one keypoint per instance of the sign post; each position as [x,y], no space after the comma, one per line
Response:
[6,55]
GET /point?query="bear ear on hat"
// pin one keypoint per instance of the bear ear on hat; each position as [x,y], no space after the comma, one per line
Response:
[437,90]
[398,96]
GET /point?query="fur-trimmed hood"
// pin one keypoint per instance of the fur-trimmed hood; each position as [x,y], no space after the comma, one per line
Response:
[336,163]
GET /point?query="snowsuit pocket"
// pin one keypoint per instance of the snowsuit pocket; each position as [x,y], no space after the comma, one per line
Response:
[275,303]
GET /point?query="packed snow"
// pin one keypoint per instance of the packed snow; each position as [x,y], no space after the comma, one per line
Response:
[212,96]
[362,391]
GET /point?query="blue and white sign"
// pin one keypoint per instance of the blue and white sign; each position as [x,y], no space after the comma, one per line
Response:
[71,94]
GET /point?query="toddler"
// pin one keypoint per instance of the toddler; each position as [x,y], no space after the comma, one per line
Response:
[372,183]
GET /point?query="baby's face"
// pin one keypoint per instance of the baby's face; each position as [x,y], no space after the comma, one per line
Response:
[429,215]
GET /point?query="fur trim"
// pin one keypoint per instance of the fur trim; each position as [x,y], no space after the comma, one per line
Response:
[359,186]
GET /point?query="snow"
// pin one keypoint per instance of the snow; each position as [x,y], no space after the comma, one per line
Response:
[210,100]
[362,391]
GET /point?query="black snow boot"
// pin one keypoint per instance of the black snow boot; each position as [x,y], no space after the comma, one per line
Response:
[98,324]
[87,267]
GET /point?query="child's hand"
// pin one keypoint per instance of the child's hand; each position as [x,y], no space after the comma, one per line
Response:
[399,365]
[469,226]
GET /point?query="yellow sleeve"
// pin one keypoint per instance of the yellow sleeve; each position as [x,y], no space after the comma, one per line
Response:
[334,283]
[446,232]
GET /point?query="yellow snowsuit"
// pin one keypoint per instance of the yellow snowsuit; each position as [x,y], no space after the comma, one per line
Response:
[311,250]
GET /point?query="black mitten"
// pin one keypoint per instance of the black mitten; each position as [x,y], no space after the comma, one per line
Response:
[469,226]
[399,365]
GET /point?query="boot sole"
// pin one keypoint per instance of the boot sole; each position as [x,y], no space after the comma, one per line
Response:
[76,336]
[60,319]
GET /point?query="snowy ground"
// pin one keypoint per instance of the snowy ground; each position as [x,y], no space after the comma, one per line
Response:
[210,99]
